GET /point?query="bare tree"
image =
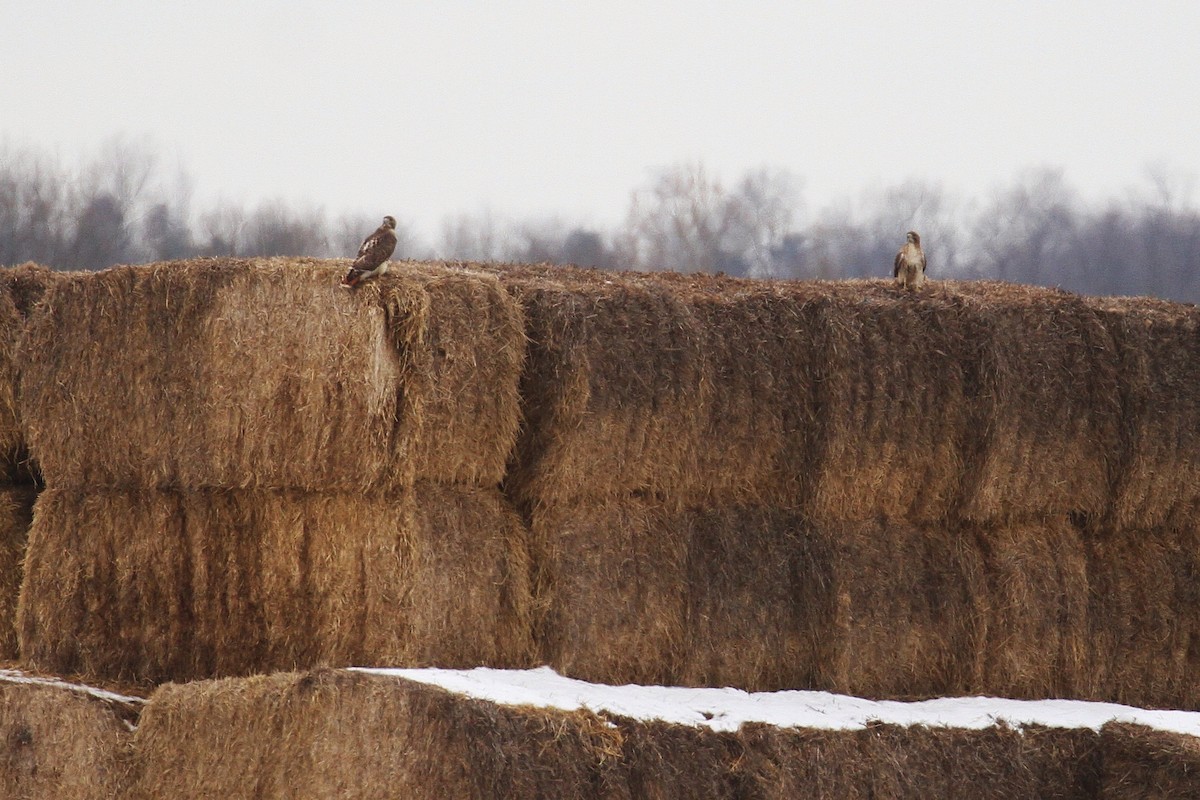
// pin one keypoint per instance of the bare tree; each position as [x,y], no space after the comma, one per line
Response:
[684,221]
[473,237]
[1025,233]
[101,234]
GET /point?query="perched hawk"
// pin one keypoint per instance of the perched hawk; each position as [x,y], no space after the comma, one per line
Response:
[371,261]
[909,269]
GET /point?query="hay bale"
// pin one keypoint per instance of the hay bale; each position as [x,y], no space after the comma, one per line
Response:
[346,734]
[1143,763]
[59,743]
[26,284]
[909,605]
[1051,405]
[1145,616]
[662,761]
[848,399]
[899,402]
[1036,624]
[21,289]
[612,374]
[918,762]
[175,585]
[642,591]
[12,436]
[16,514]
[610,582]
[1156,482]
[262,374]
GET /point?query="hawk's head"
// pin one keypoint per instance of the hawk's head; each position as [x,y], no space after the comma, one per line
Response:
[389,222]
[914,238]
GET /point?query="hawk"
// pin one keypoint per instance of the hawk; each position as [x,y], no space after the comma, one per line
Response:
[909,270]
[372,259]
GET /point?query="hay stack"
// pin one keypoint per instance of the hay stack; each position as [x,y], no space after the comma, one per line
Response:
[920,762]
[646,592]
[12,437]
[26,284]
[21,290]
[849,400]
[155,585]
[1145,616]
[16,514]
[239,374]
[1051,405]
[57,743]
[1156,482]
[346,734]
[1140,763]
[1035,636]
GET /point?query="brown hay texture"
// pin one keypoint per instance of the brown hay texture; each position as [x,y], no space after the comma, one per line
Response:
[848,399]
[345,734]
[1038,615]
[1145,616]
[12,437]
[264,374]
[1051,405]
[644,592]
[60,744]
[1157,481]
[776,393]
[154,585]
[921,762]
[16,514]
[21,290]
[26,284]
[333,733]
[1141,763]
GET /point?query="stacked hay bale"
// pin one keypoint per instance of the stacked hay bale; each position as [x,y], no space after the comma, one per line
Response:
[63,741]
[311,735]
[247,469]
[833,485]
[1144,553]
[21,289]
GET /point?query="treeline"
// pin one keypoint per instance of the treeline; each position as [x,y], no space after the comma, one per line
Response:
[123,207]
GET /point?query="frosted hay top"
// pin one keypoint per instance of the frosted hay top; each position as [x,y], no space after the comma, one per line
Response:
[728,709]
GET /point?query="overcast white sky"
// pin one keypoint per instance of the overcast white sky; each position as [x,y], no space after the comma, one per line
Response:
[538,108]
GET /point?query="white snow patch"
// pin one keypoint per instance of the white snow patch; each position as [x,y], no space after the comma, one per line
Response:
[728,709]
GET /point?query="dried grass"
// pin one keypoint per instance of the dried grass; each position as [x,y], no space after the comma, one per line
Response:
[763,599]
[344,734]
[1156,481]
[163,585]
[1140,763]
[239,374]
[59,744]
[1035,636]
[1144,609]
[849,400]
[1050,424]
[16,514]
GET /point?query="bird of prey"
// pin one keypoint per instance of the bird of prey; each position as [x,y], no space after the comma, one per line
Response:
[909,267]
[372,259]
